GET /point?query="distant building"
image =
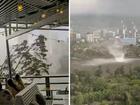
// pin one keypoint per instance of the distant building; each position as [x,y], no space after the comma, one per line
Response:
[128,34]
[128,41]
[73,37]
[138,38]
[92,38]
[109,35]
[78,36]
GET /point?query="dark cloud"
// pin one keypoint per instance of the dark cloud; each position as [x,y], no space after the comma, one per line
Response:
[120,7]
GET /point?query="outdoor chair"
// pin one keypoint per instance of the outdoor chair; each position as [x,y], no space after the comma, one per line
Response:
[27,95]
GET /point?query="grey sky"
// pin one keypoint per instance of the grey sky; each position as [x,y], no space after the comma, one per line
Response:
[126,7]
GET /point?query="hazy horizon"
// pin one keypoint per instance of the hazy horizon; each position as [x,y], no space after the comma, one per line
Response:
[88,23]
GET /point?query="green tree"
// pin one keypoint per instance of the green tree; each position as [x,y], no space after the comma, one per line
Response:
[99,71]
[78,99]
[119,71]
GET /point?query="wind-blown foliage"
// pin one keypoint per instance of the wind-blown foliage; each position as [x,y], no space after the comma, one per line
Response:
[28,59]
[122,88]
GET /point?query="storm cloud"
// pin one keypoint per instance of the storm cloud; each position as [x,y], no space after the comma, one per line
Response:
[117,7]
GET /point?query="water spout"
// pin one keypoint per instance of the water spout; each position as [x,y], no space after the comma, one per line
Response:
[120,58]
[116,50]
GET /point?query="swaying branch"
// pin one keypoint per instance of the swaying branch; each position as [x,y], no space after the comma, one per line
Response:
[22,57]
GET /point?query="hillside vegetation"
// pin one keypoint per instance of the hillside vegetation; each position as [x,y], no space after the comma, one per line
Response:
[116,88]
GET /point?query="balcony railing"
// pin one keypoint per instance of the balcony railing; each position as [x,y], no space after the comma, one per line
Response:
[47,82]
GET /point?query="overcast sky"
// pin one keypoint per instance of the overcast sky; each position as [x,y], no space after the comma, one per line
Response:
[126,7]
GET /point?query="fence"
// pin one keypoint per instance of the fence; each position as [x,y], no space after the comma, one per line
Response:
[47,83]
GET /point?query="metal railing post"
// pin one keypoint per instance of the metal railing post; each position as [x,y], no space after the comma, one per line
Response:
[8,59]
[48,91]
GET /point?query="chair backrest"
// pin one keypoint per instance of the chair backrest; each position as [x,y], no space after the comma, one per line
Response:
[27,95]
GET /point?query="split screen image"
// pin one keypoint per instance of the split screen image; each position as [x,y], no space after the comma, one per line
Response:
[70,52]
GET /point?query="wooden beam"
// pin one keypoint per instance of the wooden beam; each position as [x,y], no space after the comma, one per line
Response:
[63,17]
